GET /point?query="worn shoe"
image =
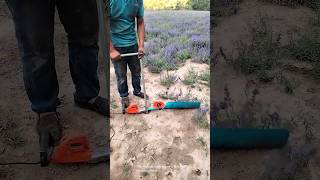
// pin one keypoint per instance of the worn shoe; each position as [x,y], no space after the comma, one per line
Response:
[99,105]
[140,94]
[125,102]
[49,128]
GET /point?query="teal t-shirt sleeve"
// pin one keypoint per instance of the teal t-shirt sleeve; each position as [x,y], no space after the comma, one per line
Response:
[141,9]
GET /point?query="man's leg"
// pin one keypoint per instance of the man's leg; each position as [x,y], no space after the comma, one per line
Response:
[135,68]
[120,67]
[80,20]
[34,26]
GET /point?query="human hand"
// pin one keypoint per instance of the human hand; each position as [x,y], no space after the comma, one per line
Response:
[141,52]
[115,55]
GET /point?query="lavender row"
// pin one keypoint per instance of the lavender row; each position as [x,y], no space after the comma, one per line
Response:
[172,37]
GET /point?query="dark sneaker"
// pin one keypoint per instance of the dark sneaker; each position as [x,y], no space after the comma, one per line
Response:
[99,105]
[140,94]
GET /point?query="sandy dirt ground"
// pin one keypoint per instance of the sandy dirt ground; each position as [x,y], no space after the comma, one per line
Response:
[19,142]
[161,144]
[232,165]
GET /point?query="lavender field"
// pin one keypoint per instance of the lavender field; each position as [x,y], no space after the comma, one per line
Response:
[168,144]
[172,37]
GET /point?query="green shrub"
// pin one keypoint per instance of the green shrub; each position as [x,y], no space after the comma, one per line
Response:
[289,3]
[314,4]
[200,4]
[156,64]
[262,53]
[191,78]
[183,55]
[316,19]
[221,8]
[166,4]
[168,79]
[307,47]
[205,76]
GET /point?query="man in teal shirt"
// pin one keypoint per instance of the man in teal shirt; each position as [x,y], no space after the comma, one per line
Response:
[125,39]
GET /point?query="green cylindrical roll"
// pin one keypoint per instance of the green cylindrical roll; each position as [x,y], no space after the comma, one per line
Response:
[182,105]
[247,138]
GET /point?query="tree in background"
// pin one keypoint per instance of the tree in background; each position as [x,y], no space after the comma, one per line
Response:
[200,4]
[177,4]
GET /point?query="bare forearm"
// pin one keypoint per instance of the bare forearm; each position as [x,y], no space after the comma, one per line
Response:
[141,32]
[112,49]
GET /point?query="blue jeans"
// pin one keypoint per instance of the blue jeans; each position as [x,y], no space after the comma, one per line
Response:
[34,26]
[120,67]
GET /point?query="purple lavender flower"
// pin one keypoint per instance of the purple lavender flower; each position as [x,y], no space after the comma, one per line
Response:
[174,36]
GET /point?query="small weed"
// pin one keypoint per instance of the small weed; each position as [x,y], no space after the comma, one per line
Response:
[200,117]
[316,71]
[247,116]
[224,111]
[201,55]
[202,142]
[13,139]
[126,170]
[183,55]
[309,134]
[313,4]
[144,173]
[306,48]
[9,135]
[287,83]
[178,96]
[288,87]
[265,76]
[262,53]
[166,95]
[316,19]
[205,76]
[187,96]
[113,104]
[191,78]
[220,8]
[289,3]
[156,64]
[168,80]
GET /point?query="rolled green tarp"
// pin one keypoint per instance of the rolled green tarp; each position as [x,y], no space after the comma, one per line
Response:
[247,138]
[182,105]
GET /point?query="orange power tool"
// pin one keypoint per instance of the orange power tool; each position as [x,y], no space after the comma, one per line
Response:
[75,148]
[133,108]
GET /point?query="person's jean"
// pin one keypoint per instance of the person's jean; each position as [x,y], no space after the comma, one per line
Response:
[120,67]
[34,25]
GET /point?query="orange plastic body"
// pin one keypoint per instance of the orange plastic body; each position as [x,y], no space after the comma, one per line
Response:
[133,108]
[158,104]
[73,148]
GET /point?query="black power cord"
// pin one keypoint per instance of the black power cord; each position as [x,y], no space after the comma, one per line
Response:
[20,163]
[38,163]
